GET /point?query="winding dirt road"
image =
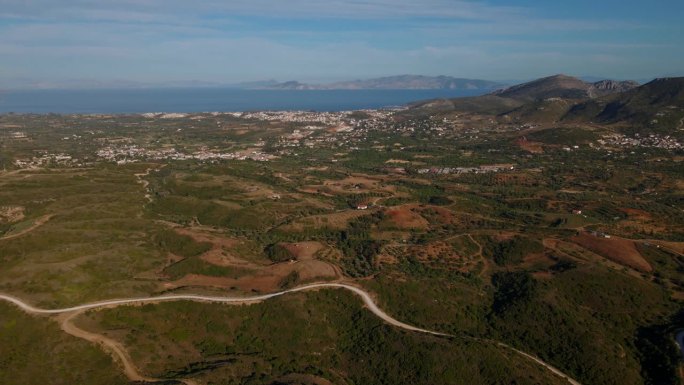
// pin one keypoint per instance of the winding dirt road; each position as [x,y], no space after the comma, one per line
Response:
[39,222]
[66,316]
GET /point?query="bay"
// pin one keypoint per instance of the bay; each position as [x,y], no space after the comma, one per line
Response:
[130,101]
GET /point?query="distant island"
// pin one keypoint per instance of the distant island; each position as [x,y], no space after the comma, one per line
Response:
[400,82]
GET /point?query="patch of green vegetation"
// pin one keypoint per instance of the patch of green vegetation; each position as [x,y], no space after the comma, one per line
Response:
[465,246]
[326,334]
[668,266]
[563,135]
[580,307]
[660,359]
[357,246]
[194,265]
[511,251]
[19,227]
[35,351]
[179,244]
[512,289]
[278,253]
[290,280]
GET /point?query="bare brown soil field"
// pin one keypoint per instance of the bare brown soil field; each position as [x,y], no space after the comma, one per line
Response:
[302,251]
[303,379]
[543,275]
[405,217]
[264,280]
[677,247]
[503,236]
[337,221]
[257,274]
[355,184]
[230,205]
[386,259]
[537,259]
[619,250]
[443,216]
[222,252]
[629,226]
[316,190]
[636,214]
[531,147]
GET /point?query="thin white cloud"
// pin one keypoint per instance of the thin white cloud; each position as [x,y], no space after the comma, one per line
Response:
[156,9]
[159,40]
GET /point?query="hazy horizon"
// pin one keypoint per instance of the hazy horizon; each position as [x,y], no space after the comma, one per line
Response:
[106,43]
[119,84]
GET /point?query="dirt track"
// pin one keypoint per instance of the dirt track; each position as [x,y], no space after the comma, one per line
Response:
[117,350]
[39,222]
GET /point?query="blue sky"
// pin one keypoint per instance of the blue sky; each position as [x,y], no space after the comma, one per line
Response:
[52,43]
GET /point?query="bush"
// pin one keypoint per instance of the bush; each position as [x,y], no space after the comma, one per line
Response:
[512,289]
[512,251]
[278,253]
[439,201]
[181,245]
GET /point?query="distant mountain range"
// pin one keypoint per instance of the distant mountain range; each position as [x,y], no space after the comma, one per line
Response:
[401,82]
[658,104]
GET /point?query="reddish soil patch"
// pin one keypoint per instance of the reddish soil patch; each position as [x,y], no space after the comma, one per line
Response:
[503,236]
[680,184]
[386,259]
[221,253]
[303,250]
[440,214]
[677,247]
[267,279]
[438,250]
[543,275]
[404,217]
[303,379]
[337,221]
[532,147]
[315,190]
[620,250]
[637,214]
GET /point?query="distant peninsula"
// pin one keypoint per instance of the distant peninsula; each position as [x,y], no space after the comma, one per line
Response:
[401,82]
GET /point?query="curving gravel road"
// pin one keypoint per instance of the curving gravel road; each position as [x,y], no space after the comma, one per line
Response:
[365,296]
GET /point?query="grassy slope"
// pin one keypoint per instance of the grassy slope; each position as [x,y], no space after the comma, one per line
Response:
[93,247]
[325,334]
[35,351]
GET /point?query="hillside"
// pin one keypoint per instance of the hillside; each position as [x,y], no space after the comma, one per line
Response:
[552,96]
[658,104]
[558,86]
[565,87]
